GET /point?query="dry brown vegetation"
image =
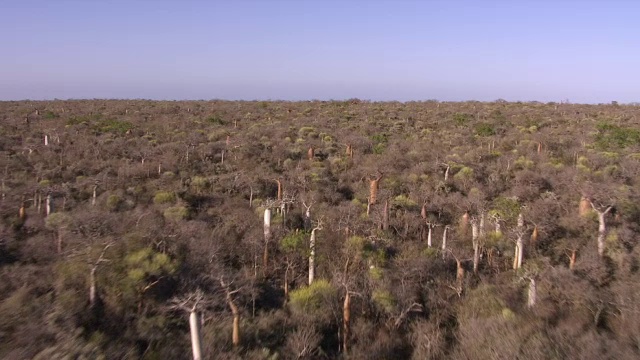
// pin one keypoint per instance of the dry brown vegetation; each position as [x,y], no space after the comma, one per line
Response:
[116,215]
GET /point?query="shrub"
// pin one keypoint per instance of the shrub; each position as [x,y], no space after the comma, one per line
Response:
[164,197]
[485,129]
[113,202]
[312,297]
[176,213]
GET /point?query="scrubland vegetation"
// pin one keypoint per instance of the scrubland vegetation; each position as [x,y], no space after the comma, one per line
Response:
[289,230]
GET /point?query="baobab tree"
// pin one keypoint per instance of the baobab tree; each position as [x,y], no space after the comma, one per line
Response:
[192,304]
[312,251]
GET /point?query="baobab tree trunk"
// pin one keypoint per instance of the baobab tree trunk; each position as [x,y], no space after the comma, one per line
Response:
[346,322]
[92,287]
[267,237]
[385,216]
[464,221]
[602,227]
[312,255]
[444,241]
[279,195]
[235,335]
[429,233]
[476,244]
[602,232]
[310,154]
[572,259]
[93,197]
[517,259]
[48,205]
[585,207]
[446,173]
[534,236]
[459,276]
[532,294]
[196,337]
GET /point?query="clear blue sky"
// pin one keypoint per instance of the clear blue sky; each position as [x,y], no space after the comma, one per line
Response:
[583,51]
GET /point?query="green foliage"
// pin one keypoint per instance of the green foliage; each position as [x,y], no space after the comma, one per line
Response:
[164,197]
[113,126]
[485,129]
[614,137]
[176,213]
[56,221]
[147,263]
[50,115]
[293,241]
[384,299]
[507,208]
[465,173]
[462,118]
[113,202]
[481,302]
[215,120]
[312,297]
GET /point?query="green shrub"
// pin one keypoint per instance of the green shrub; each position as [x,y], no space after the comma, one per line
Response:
[485,129]
[312,297]
[113,202]
[176,213]
[164,197]
[384,299]
[615,137]
[462,118]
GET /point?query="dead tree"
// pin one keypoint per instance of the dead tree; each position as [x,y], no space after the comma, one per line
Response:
[373,191]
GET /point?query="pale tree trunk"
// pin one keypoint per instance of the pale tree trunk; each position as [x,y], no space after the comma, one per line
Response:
[267,237]
[446,174]
[481,230]
[93,197]
[46,140]
[429,233]
[92,287]
[235,335]
[572,260]
[602,231]
[346,322]
[312,255]
[444,241]
[196,337]
[48,205]
[476,244]
[459,277]
[519,251]
[532,294]
[385,216]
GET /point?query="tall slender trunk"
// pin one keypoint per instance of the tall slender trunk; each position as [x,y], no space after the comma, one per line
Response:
[196,337]
[444,241]
[385,216]
[92,287]
[48,205]
[429,235]
[572,260]
[532,293]
[267,238]
[346,322]
[312,256]
[517,259]
[93,197]
[602,232]
[476,244]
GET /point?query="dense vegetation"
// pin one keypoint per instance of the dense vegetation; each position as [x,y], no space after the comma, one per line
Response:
[119,219]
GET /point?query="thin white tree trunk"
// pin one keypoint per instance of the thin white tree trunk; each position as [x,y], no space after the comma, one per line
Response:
[93,198]
[429,241]
[533,293]
[267,237]
[196,338]
[46,140]
[518,255]
[312,256]
[48,205]
[476,245]
[602,232]
[444,241]
[92,287]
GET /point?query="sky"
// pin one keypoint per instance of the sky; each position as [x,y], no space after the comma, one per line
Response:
[517,50]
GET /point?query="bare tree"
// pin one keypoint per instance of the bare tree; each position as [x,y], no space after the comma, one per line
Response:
[312,251]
